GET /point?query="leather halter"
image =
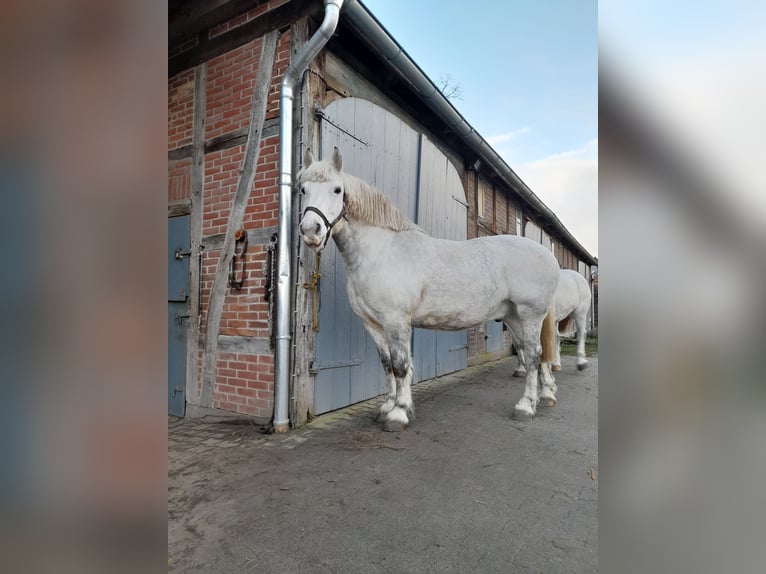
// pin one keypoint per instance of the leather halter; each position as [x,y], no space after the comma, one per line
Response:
[329,225]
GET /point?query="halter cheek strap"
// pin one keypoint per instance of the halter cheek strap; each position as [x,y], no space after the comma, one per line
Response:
[329,225]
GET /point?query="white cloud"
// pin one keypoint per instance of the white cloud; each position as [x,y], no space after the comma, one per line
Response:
[500,138]
[567,183]
[589,149]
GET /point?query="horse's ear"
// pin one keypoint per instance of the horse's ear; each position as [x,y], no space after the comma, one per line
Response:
[308,158]
[337,159]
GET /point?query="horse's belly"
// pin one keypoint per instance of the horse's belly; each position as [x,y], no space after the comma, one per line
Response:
[458,317]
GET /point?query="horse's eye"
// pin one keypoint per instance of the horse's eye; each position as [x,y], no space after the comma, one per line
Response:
[337,191]
[303,190]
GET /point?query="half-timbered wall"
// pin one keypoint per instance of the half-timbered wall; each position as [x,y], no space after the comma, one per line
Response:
[244,380]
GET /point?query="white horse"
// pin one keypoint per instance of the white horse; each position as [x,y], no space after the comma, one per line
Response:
[572,301]
[399,277]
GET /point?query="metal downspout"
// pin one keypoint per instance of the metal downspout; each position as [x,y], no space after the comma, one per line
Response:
[284,247]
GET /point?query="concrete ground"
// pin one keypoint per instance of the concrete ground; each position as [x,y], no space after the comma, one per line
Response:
[464,489]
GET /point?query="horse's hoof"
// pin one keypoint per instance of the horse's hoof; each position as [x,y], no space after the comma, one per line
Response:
[519,374]
[385,408]
[582,366]
[522,415]
[556,368]
[548,402]
[394,426]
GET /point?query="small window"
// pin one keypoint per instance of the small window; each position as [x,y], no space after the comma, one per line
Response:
[484,203]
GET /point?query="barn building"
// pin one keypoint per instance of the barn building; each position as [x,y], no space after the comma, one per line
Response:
[241,337]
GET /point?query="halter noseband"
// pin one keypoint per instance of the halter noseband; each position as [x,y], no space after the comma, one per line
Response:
[328,225]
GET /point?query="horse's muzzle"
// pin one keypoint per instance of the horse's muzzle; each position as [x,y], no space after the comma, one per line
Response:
[313,231]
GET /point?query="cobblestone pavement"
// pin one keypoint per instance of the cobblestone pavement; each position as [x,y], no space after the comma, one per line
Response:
[464,489]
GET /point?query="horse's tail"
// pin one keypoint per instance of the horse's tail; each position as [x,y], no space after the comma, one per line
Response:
[548,337]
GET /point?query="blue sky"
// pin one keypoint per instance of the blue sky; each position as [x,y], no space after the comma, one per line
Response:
[528,71]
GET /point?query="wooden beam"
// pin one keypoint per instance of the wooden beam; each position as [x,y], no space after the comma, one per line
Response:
[178,153]
[225,141]
[260,236]
[197,181]
[237,213]
[197,16]
[238,137]
[277,19]
[302,382]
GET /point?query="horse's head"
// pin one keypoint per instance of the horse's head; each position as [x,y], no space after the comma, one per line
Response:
[321,184]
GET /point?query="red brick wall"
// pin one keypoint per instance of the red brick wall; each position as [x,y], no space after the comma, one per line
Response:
[231,82]
[221,179]
[244,382]
[179,173]
[180,109]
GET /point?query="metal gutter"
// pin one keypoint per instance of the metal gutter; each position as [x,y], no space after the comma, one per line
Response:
[375,35]
[298,64]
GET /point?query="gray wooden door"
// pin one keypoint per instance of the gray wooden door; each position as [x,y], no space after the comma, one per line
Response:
[383,150]
[494,334]
[442,212]
[178,311]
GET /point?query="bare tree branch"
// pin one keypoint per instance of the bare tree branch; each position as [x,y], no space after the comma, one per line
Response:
[450,88]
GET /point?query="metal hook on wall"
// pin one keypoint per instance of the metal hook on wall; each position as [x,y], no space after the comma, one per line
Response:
[240,248]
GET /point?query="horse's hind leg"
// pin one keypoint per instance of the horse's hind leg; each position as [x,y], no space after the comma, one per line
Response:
[580,321]
[556,364]
[531,327]
[529,333]
[548,386]
[525,408]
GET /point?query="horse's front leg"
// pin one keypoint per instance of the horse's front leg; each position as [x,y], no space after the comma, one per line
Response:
[525,408]
[399,417]
[401,364]
[385,359]
[521,370]
[514,327]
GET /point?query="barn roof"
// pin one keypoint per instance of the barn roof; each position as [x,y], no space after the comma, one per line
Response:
[369,47]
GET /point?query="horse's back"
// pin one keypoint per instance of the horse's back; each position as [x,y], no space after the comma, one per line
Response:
[456,284]
[527,271]
[519,254]
[572,294]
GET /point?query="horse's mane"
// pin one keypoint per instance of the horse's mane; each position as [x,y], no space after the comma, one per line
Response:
[365,203]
